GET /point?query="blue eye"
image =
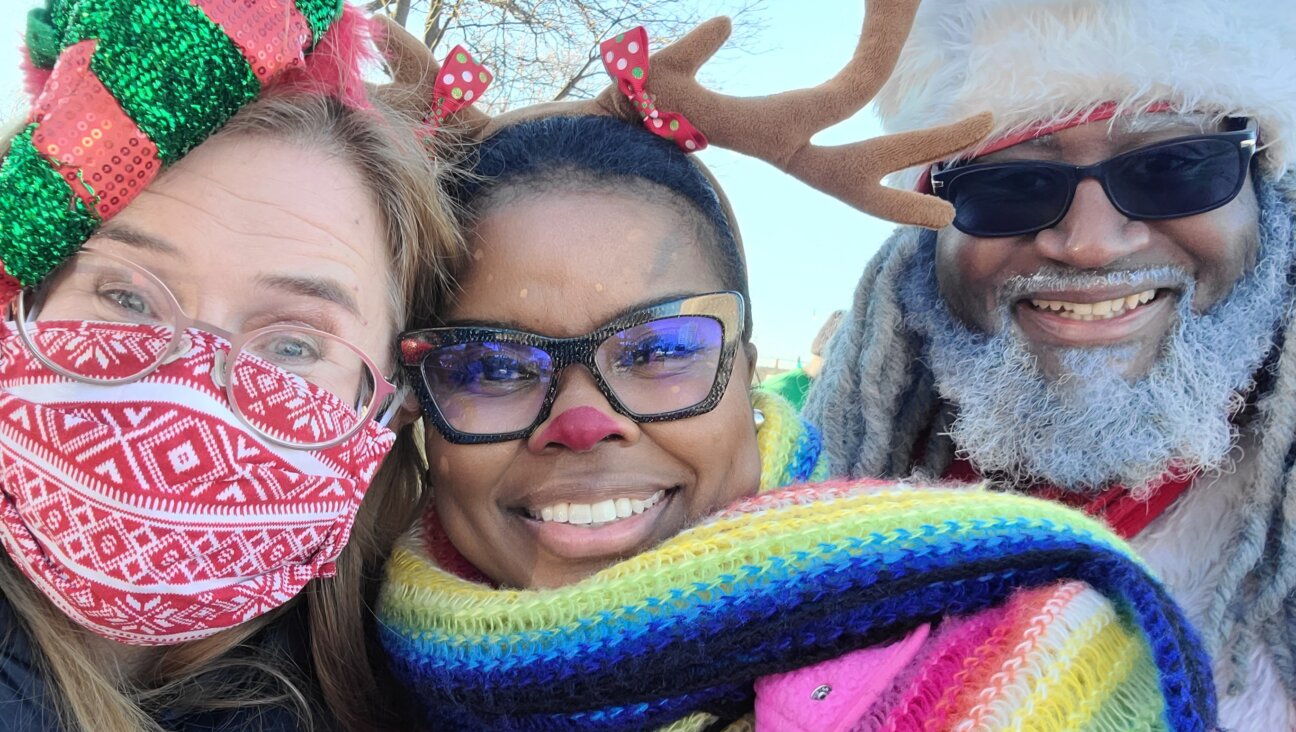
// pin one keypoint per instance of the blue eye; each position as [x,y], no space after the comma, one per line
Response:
[289,350]
[129,301]
[124,301]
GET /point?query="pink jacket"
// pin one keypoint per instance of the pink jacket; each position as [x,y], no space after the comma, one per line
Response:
[834,695]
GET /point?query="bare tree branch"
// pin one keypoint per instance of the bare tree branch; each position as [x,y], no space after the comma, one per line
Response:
[580,75]
[548,49]
[401,13]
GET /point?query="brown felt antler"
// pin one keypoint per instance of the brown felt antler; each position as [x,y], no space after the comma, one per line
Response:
[777,128]
[414,75]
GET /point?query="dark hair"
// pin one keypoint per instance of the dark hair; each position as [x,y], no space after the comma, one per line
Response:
[560,153]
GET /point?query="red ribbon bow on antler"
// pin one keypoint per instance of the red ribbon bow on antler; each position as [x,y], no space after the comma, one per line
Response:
[626,59]
[459,83]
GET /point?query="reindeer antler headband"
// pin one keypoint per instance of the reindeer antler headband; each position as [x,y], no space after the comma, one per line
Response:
[775,128]
[124,88]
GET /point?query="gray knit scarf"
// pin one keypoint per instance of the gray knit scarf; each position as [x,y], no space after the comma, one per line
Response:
[881,413]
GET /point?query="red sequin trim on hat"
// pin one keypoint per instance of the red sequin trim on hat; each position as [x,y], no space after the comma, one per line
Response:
[271,34]
[89,139]
[9,286]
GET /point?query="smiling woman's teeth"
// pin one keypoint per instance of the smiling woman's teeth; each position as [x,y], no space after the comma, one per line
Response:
[596,513]
[1104,310]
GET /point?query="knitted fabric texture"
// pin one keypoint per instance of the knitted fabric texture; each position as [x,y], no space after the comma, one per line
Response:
[1052,658]
[673,638]
[791,450]
[880,413]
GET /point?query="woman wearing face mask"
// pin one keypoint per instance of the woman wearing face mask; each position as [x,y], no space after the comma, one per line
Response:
[608,546]
[196,374]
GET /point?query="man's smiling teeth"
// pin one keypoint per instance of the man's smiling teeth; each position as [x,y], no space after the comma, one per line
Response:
[596,513]
[1103,310]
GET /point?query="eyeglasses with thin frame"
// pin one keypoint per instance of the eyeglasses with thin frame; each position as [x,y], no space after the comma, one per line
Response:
[1171,179]
[94,286]
[666,361]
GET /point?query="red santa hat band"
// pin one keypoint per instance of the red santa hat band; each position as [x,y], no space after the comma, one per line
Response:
[1101,113]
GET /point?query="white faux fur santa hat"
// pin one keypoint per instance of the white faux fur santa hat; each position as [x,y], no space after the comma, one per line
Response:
[1035,62]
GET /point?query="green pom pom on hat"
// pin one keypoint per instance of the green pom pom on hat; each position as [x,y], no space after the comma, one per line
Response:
[42,39]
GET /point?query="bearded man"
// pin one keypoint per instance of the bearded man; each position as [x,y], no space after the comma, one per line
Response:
[1109,320]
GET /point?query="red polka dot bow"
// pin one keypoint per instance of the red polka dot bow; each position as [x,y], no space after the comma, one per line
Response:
[460,82]
[626,58]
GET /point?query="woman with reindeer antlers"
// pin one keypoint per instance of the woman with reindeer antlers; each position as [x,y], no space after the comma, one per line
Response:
[623,537]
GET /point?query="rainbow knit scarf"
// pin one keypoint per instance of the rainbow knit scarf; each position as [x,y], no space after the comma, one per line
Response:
[673,638]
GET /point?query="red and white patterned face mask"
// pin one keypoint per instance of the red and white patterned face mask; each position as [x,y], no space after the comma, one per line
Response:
[148,512]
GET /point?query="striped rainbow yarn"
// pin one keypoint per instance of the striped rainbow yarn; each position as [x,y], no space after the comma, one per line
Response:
[673,638]
[791,449]
[1054,658]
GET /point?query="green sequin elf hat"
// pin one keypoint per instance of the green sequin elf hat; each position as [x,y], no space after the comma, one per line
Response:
[124,88]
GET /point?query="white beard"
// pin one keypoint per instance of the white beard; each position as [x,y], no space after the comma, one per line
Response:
[1095,428]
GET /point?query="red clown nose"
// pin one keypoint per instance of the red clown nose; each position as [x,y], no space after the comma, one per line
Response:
[579,429]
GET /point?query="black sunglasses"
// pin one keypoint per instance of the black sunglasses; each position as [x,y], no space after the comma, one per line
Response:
[1166,180]
[667,361]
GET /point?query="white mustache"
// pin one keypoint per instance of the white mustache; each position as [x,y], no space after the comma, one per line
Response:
[1059,280]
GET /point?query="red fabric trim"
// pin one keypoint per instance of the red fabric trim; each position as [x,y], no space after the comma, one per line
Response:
[1104,111]
[34,79]
[625,58]
[1126,515]
[272,34]
[459,83]
[444,552]
[9,286]
[89,139]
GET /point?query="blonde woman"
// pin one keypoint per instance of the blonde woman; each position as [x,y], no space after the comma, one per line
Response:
[196,371]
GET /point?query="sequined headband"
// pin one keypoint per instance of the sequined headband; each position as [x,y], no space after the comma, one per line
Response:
[123,89]
[776,128]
